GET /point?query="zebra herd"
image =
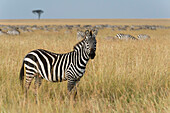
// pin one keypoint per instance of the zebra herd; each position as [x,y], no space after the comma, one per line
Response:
[53,67]
[121,36]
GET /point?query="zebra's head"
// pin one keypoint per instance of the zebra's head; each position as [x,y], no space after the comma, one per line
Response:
[90,39]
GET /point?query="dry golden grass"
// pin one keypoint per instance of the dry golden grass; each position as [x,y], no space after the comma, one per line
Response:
[125,76]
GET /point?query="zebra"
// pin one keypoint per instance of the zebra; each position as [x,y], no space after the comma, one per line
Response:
[143,36]
[70,67]
[13,32]
[80,35]
[122,36]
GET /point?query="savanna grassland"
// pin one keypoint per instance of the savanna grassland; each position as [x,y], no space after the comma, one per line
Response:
[125,76]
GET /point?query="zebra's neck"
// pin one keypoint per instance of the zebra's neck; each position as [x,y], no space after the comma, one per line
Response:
[81,54]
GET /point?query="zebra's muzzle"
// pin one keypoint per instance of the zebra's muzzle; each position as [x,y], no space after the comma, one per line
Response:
[92,54]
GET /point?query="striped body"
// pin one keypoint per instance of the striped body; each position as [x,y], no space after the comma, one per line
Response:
[54,67]
[122,36]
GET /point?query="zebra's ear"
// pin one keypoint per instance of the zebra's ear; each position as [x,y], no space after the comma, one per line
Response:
[95,32]
[87,33]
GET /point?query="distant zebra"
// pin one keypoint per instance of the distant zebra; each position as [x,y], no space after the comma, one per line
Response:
[143,36]
[80,35]
[54,67]
[13,32]
[122,36]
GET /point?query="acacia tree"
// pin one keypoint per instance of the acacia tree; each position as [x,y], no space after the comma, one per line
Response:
[39,12]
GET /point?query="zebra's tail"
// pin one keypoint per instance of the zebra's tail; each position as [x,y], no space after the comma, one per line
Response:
[21,77]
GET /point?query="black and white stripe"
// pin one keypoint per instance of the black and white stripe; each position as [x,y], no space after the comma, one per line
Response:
[59,67]
[122,36]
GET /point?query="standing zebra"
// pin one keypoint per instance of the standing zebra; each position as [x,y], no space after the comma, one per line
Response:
[122,36]
[59,67]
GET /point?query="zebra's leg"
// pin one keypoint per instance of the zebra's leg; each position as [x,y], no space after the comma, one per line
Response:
[76,85]
[37,84]
[29,78]
[71,87]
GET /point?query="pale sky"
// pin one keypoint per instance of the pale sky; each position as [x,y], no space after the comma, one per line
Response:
[57,9]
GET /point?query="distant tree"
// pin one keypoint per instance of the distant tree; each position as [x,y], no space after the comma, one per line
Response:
[39,12]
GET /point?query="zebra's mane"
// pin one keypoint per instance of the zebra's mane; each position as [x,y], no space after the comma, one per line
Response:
[74,47]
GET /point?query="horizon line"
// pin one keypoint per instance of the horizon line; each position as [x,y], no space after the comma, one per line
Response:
[78,18]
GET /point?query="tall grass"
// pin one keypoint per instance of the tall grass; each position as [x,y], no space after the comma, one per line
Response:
[125,76]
